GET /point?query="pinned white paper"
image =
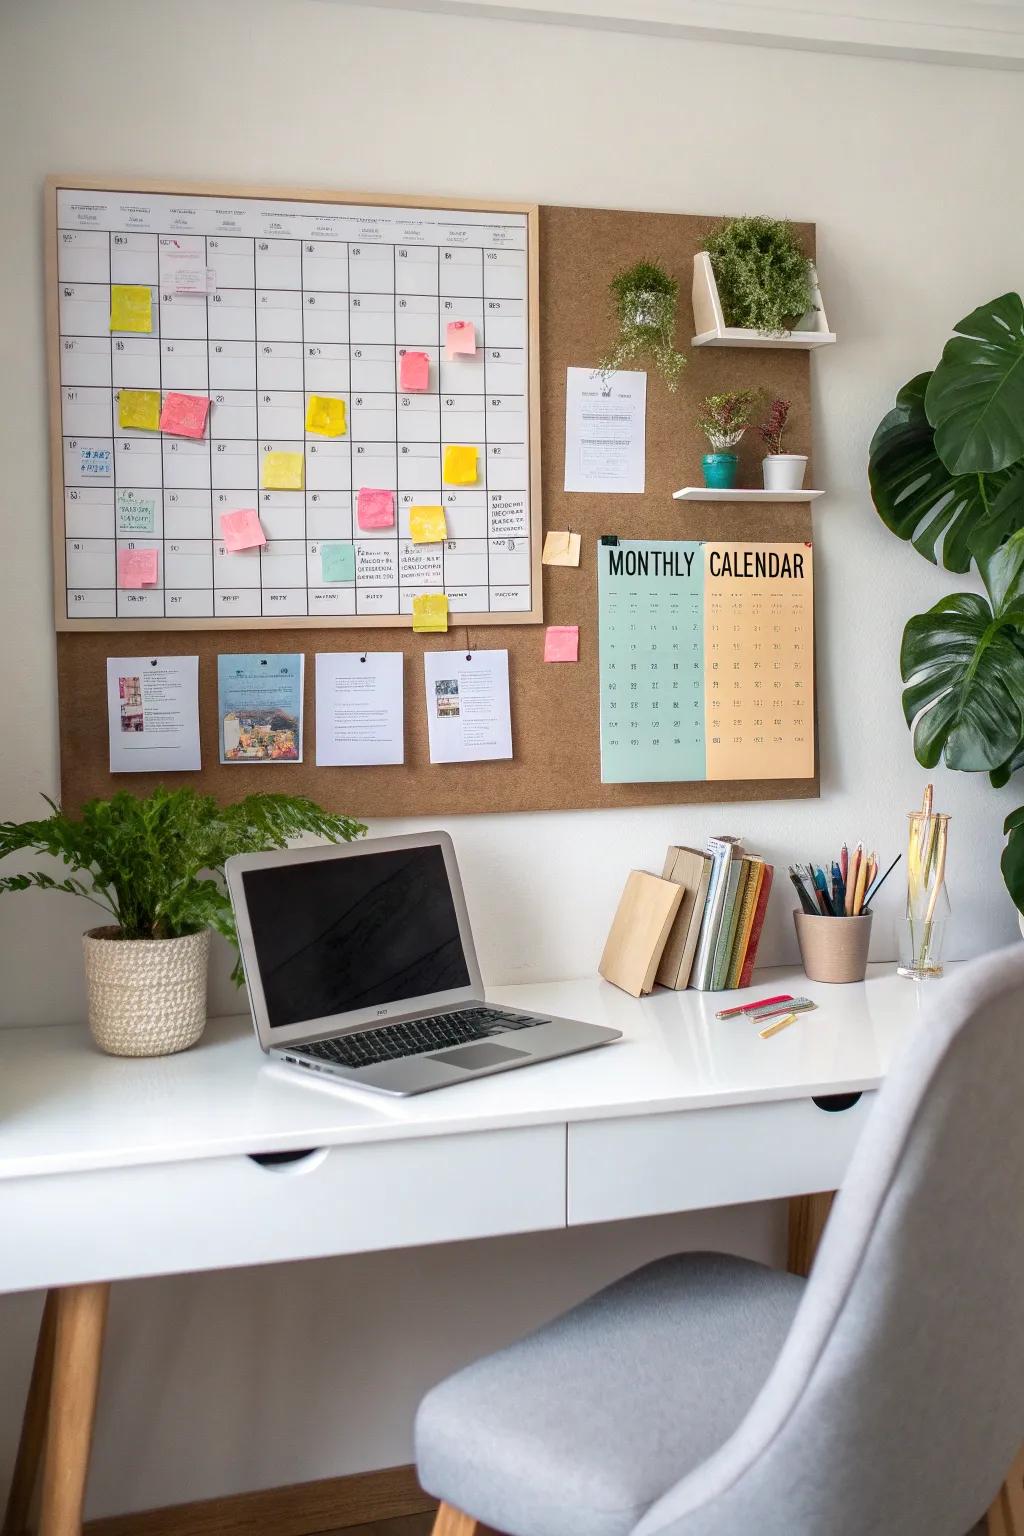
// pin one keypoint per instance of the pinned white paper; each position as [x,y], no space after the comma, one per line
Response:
[468,714]
[360,717]
[153,713]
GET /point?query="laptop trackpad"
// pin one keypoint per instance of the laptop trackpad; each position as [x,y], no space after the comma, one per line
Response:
[473,1057]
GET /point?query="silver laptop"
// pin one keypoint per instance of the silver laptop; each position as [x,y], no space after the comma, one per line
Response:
[360,965]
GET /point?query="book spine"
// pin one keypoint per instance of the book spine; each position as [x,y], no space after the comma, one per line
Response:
[746,923]
[730,917]
[712,914]
[758,924]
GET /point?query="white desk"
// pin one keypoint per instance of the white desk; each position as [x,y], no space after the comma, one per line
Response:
[114,1168]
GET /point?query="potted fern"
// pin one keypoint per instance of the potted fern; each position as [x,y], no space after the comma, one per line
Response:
[645,300]
[155,866]
[782,471]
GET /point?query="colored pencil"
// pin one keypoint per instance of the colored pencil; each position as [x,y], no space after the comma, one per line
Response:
[880,880]
[851,879]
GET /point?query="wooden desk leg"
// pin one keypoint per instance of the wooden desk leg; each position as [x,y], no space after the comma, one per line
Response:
[81,1316]
[452,1522]
[1006,1516]
[33,1425]
[807,1217]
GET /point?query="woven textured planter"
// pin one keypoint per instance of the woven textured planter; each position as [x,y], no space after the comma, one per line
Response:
[147,997]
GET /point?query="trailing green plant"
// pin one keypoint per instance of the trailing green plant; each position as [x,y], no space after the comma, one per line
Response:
[773,428]
[724,418]
[155,864]
[645,300]
[762,274]
[946,471]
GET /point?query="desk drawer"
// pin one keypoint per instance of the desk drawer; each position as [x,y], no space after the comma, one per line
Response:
[216,1213]
[649,1165]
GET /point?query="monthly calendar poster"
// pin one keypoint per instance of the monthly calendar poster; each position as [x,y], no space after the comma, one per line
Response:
[706,660]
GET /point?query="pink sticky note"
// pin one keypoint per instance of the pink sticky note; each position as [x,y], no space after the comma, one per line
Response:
[414,371]
[460,337]
[241,529]
[184,415]
[137,567]
[562,642]
[375,509]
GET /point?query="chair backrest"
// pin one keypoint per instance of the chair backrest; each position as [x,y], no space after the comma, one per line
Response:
[897,1401]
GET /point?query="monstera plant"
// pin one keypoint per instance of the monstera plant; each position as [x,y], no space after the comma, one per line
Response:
[947,474]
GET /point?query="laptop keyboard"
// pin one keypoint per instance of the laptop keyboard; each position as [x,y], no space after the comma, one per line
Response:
[417,1036]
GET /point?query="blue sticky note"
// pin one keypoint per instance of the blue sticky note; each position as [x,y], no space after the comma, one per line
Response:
[338,562]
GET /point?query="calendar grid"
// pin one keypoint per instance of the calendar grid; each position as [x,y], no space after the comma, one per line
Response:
[262,242]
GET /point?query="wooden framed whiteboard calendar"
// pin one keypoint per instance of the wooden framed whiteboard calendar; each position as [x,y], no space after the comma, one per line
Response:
[265,303]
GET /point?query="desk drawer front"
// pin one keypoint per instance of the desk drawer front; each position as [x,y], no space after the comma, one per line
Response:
[650,1165]
[223,1212]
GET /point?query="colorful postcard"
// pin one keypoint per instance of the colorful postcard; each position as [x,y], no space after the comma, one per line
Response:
[260,708]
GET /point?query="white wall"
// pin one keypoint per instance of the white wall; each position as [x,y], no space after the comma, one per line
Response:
[907,170]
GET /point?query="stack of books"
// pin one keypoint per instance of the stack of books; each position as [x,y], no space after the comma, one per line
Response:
[698,925]
[713,942]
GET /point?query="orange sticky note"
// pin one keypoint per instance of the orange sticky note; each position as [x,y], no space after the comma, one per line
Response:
[131,308]
[460,465]
[241,529]
[460,339]
[184,415]
[414,371]
[282,471]
[375,509]
[139,408]
[430,613]
[138,567]
[427,525]
[562,642]
[326,416]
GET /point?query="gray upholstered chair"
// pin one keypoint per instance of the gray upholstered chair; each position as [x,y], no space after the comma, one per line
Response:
[705,1395]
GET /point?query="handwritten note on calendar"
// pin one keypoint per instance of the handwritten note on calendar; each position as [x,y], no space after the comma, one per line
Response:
[706,661]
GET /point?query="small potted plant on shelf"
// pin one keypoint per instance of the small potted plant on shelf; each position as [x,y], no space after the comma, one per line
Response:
[645,300]
[764,278]
[782,471]
[155,865]
[723,419]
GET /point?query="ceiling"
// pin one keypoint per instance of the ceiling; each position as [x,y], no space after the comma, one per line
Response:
[972,33]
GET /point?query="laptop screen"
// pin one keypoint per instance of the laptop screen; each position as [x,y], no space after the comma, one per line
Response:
[340,934]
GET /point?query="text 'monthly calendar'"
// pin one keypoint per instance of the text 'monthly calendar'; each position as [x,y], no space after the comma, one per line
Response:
[328,366]
[707,660]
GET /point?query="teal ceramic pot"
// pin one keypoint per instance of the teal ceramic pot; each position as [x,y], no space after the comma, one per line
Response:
[720,471]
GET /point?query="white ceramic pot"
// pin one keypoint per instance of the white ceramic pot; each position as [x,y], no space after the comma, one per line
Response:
[784,471]
[147,997]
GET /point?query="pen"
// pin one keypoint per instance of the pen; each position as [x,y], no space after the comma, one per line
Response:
[838,888]
[844,863]
[823,897]
[851,879]
[801,890]
[880,881]
[761,1002]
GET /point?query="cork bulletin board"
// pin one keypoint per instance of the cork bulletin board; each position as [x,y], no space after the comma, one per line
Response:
[555,708]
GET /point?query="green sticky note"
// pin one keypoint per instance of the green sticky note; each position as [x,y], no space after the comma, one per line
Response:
[338,562]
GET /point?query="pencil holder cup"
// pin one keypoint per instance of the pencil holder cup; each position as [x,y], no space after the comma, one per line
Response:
[833,948]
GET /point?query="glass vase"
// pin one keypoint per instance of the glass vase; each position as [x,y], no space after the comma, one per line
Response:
[923,930]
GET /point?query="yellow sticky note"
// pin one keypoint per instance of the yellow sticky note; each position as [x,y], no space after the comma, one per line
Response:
[561,548]
[282,471]
[139,408]
[430,613]
[326,416]
[427,525]
[460,465]
[131,308]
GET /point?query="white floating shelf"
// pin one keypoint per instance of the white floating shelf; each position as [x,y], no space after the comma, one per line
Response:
[712,330]
[703,493]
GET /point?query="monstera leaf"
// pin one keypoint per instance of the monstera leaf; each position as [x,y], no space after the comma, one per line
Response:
[1005,772]
[1012,861]
[975,397]
[916,496]
[964,666]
